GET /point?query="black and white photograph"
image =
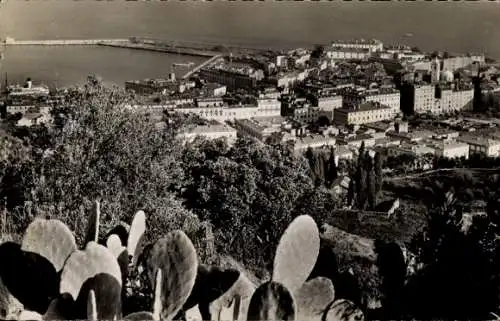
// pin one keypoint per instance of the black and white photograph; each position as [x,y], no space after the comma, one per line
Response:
[231,160]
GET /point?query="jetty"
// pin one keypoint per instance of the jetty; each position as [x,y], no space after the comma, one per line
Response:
[203,64]
[166,49]
[61,42]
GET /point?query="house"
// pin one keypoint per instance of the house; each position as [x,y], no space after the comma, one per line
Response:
[341,185]
[32,119]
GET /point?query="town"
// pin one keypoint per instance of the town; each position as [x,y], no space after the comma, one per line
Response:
[354,180]
[388,97]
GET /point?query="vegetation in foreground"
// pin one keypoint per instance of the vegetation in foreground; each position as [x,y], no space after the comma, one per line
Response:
[236,201]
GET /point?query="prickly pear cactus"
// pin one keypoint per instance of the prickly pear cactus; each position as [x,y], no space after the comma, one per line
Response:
[136,233]
[297,253]
[271,301]
[51,239]
[343,310]
[114,245]
[176,257]
[93,224]
[82,265]
[313,299]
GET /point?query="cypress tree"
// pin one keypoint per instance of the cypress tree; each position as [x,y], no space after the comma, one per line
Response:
[332,172]
[379,178]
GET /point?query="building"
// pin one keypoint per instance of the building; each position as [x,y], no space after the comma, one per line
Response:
[314,141]
[339,53]
[204,102]
[451,149]
[373,45]
[259,127]
[385,96]
[328,104]
[32,119]
[287,79]
[269,106]
[436,99]
[211,131]
[481,146]
[365,113]
[461,61]
[153,86]
[21,99]
[214,90]
[233,78]
[355,141]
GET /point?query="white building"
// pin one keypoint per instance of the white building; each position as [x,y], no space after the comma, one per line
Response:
[338,53]
[328,104]
[363,114]
[480,145]
[259,127]
[391,98]
[212,131]
[440,101]
[314,141]
[373,45]
[451,150]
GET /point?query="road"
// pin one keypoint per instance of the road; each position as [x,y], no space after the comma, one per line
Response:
[432,172]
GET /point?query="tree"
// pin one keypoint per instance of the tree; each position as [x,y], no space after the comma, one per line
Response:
[371,182]
[104,150]
[332,172]
[249,194]
[440,290]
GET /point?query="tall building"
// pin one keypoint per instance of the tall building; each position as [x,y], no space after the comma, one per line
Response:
[435,70]
[436,99]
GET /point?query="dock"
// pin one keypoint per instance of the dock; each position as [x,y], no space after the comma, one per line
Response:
[62,42]
[205,63]
[173,50]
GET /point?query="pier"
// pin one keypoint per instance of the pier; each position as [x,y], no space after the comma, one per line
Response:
[173,50]
[62,42]
[206,63]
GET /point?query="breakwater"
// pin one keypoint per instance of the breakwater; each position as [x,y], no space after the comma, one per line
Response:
[174,50]
[195,69]
[62,42]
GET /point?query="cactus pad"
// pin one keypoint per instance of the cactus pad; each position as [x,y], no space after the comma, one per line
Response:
[297,253]
[29,277]
[136,232]
[176,257]
[51,239]
[314,298]
[102,294]
[82,265]
[114,245]
[343,310]
[93,223]
[91,306]
[271,301]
